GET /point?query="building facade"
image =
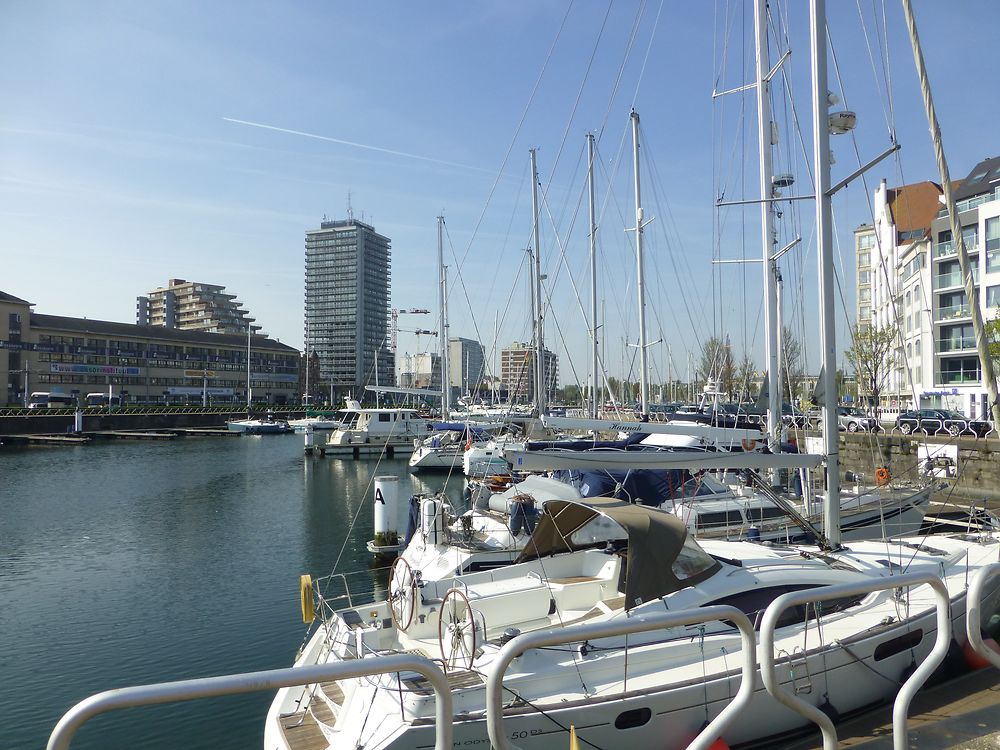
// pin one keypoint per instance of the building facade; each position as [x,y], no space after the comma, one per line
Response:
[958,380]
[893,286]
[347,275]
[421,370]
[194,306]
[909,277]
[517,368]
[467,364]
[140,363]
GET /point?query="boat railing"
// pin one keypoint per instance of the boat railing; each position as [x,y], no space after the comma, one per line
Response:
[973,606]
[901,707]
[626,626]
[250,682]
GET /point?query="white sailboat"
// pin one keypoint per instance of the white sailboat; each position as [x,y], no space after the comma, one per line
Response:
[602,560]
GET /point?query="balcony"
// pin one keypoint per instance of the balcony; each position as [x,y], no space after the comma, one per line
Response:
[955,345]
[952,312]
[944,249]
[945,280]
[958,378]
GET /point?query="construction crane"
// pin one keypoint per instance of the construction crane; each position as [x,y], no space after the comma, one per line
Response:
[394,326]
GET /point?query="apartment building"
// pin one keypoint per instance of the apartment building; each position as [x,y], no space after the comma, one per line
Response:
[347,275]
[194,306]
[517,372]
[141,363]
[957,374]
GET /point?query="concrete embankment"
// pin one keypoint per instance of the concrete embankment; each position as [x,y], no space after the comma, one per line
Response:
[970,465]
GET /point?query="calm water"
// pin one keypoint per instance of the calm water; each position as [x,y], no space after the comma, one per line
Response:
[125,563]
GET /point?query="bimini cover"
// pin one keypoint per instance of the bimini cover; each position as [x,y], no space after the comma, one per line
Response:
[646,486]
[659,557]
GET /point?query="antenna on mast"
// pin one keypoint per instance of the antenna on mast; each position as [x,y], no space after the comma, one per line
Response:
[350,211]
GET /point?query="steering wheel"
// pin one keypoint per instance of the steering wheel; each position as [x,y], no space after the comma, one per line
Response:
[402,593]
[457,630]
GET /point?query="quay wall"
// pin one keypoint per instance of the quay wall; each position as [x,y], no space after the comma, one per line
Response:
[975,475]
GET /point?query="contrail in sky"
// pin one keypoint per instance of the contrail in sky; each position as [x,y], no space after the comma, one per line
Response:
[356,145]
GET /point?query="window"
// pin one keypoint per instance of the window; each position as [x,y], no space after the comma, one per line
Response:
[864,277]
[993,296]
[993,261]
[866,241]
[864,259]
[908,300]
[970,237]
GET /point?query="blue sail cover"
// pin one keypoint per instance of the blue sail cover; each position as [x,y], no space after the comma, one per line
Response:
[645,486]
[583,445]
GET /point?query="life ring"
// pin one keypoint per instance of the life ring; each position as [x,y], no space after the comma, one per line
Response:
[748,444]
[306,598]
[882,476]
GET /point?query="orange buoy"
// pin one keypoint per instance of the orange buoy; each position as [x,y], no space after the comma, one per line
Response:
[972,658]
[882,476]
[748,444]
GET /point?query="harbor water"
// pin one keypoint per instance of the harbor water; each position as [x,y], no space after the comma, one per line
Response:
[125,563]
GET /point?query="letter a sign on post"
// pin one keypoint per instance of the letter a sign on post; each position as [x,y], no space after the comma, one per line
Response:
[378,496]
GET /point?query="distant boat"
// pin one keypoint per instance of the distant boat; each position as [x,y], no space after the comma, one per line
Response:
[317,423]
[258,426]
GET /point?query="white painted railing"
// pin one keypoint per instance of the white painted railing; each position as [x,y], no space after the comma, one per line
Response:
[624,626]
[973,616]
[234,684]
[909,688]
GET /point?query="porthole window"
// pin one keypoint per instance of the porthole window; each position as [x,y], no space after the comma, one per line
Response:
[637,717]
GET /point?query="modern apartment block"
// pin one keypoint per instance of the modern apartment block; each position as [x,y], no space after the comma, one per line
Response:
[957,374]
[467,364]
[347,274]
[194,306]
[141,363]
[517,368]
[908,278]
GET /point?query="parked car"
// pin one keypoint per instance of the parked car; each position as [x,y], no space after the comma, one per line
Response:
[853,419]
[941,420]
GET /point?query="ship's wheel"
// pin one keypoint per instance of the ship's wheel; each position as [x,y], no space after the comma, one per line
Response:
[457,630]
[402,593]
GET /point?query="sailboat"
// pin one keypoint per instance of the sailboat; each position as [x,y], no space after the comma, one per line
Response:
[252,425]
[602,560]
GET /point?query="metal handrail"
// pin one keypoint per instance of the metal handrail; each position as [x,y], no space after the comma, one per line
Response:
[972,616]
[561,636]
[249,682]
[909,688]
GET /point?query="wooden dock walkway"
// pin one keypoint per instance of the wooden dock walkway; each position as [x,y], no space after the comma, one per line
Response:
[129,435]
[44,439]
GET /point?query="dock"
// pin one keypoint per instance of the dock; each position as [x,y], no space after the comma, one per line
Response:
[205,432]
[44,439]
[960,714]
[130,435]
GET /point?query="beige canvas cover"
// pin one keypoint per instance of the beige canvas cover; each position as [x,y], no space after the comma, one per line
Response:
[655,541]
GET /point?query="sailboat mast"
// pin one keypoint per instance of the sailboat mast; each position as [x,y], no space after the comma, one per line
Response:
[640,282]
[305,396]
[249,392]
[593,279]
[443,324]
[824,238]
[540,384]
[771,320]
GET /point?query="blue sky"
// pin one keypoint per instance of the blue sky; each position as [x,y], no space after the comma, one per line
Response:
[122,164]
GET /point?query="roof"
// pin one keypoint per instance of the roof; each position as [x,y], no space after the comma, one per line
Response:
[109,328]
[913,207]
[656,543]
[4,297]
[984,177]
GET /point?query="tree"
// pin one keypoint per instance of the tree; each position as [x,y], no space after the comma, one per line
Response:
[793,367]
[871,356]
[717,363]
[746,374]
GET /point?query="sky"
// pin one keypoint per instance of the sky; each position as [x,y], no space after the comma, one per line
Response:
[141,142]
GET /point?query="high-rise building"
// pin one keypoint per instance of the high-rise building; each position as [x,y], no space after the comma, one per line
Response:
[517,372]
[466,362]
[194,306]
[347,305]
